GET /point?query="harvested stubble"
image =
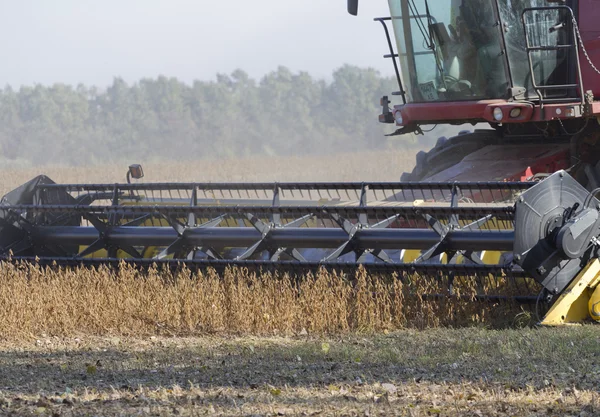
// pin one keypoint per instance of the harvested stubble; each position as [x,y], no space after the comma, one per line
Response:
[130,302]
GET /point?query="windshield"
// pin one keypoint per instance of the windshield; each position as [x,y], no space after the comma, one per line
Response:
[449,49]
[544,27]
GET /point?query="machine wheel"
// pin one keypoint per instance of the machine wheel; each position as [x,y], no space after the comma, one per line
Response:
[448,152]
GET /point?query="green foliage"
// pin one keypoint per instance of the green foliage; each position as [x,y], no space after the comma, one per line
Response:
[284,113]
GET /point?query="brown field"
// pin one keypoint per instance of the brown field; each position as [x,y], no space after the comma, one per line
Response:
[367,166]
[101,342]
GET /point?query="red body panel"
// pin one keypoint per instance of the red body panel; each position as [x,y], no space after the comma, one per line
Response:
[507,162]
[471,110]
[482,111]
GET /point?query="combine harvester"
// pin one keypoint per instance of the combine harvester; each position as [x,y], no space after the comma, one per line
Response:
[511,208]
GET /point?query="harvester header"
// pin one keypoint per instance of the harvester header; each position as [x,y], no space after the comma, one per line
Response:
[535,237]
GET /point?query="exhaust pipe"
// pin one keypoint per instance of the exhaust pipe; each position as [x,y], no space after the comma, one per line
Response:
[353,7]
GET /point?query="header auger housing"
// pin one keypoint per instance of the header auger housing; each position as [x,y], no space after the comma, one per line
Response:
[514,239]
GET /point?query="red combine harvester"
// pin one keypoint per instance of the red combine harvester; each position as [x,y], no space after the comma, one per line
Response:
[510,211]
[525,67]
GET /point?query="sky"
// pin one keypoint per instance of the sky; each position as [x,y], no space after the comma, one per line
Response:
[91,42]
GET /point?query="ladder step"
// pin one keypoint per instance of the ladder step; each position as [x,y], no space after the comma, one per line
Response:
[556,87]
[548,48]
[574,100]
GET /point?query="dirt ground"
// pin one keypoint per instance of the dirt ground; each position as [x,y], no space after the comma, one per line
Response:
[438,372]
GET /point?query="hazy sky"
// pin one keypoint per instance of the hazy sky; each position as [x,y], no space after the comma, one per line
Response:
[90,42]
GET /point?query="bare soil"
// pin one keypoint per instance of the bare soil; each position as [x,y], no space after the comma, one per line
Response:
[441,372]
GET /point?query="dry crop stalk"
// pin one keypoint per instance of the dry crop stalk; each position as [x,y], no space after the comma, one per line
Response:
[103,301]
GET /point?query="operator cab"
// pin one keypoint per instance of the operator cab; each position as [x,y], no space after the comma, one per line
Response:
[452,50]
[467,50]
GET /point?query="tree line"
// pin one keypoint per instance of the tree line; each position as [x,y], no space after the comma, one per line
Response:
[283,113]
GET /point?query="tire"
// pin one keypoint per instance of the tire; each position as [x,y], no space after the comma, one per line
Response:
[447,153]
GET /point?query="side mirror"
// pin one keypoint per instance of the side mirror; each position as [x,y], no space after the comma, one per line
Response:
[353,7]
[135,172]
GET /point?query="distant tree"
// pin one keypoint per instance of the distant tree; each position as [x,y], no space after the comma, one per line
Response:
[284,113]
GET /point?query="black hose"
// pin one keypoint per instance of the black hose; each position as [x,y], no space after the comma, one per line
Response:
[590,196]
